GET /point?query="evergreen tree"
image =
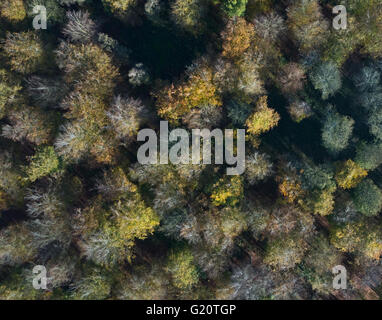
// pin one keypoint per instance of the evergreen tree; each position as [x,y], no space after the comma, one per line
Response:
[336,131]
[367,198]
[369,156]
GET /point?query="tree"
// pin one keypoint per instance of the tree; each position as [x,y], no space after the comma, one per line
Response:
[170,183]
[11,178]
[317,177]
[87,104]
[284,253]
[114,184]
[292,78]
[25,51]
[367,24]
[290,188]
[370,100]
[234,7]
[198,90]
[369,156]
[55,14]
[227,191]
[211,261]
[80,139]
[299,110]
[13,10]
[83,65]
[50,225]
[9,89]
[42,203]
[248,77]
[181,267]
[336,131]
[144,283]
[71,142]
[233,222]
[135,220]
[61,270]
[138,75]
[257,167]
[238,70]
[216,232]
[126,115]
[322,257]
[238,112]
[103,150]
[86,107]
[269,26]
[358,237]
[79,28]
[367,79]
[251,283]
[29,123]
[17,285]
[109,242]
[42,163]
[51,229]
[207,117]
[349,174]
[367,198]
[119,7]
[170,193]
[46,92]
[237,37]
[321,201]
[16,245]
[189,15]
[320,186]
[341,43]
[318,264]
[95,284]
[307,24]
[326,78]
[263,118]
[3,200]
[374,122]
[154,10]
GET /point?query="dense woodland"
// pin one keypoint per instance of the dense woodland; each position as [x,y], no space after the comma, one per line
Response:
[74,199]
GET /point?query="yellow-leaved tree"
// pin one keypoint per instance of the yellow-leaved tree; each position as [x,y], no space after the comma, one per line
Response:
[263,118]
[198,90]
[349,174]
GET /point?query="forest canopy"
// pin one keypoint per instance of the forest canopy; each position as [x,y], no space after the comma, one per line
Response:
[75,199]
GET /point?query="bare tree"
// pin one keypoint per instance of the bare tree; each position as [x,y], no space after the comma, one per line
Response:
[80,28]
